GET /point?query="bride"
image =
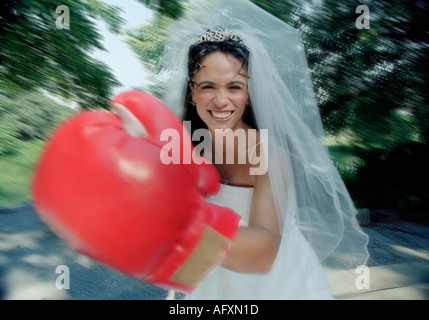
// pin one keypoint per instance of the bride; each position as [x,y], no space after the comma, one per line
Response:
[239,72]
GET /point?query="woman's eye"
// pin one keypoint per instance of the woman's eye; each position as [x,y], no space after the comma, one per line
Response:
[235,88]
[207,87]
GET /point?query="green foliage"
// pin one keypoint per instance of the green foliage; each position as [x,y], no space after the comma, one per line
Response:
[37,54]
[148,42]
[16,172]
[362,76]
[172,9]
[26,121]
[371,83]
[28,116]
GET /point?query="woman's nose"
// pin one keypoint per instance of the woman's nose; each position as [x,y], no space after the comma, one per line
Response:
[221,99]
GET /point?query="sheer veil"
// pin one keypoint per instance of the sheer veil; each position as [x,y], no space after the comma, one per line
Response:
[306,185]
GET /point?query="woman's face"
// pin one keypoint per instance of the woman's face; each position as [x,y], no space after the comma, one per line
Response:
[219,91]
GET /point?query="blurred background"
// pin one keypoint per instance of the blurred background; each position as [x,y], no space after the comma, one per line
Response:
[370,75]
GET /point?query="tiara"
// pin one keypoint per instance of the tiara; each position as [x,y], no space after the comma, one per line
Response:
[219,35]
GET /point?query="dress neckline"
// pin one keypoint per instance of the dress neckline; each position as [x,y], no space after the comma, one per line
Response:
[236,187]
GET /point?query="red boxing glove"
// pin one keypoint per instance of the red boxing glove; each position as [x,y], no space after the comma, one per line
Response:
[103,189]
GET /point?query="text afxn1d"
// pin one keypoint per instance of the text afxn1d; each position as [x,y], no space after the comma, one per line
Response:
[235,309]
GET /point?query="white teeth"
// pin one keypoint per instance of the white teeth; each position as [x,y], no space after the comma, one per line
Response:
[221,115]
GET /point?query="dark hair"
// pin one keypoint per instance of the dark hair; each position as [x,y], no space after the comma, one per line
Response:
[197,52]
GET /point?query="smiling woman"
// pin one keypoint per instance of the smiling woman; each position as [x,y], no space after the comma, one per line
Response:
[220,93]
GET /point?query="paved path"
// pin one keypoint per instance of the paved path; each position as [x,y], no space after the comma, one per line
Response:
[30,254]
[398,264]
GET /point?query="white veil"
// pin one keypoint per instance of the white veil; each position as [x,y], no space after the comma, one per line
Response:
[306,185]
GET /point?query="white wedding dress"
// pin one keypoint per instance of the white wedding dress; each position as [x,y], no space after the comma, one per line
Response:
[296,273]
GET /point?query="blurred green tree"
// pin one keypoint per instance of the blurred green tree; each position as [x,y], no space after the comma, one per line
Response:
[371,85]
[148,42]
[37,51]
[166,8]
[27,116]
[364,77]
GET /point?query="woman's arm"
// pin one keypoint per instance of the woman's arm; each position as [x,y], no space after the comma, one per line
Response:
[255,247]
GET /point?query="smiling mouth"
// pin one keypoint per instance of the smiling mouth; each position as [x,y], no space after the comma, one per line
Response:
[221,115]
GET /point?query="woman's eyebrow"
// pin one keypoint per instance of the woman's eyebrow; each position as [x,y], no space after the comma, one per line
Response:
[205,82]
[237,82]
[212,83]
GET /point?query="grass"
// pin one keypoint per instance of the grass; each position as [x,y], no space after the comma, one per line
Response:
[16,172]
[342,154]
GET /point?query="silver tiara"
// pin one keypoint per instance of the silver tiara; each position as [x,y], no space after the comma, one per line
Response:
[219,35]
